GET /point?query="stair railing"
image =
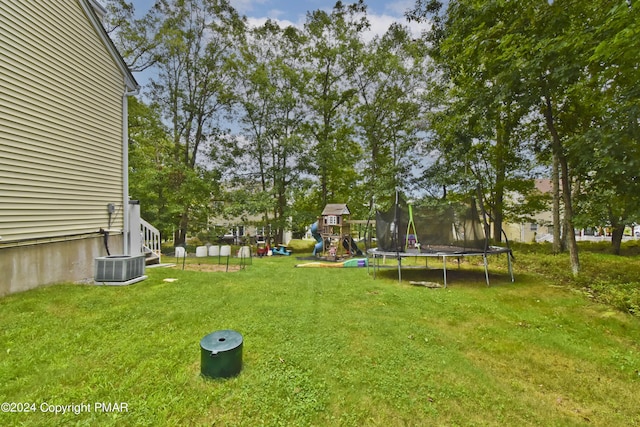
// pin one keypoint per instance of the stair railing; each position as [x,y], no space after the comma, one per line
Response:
[150,239]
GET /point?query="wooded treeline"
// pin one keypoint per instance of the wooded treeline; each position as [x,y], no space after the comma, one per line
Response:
[280,121]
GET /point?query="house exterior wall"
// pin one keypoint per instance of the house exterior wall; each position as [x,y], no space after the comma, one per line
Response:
[60,123]
[41,263]
[62,129]
[528,232]
[540,229]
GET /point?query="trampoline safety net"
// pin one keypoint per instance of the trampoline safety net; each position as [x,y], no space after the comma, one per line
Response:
[447,227]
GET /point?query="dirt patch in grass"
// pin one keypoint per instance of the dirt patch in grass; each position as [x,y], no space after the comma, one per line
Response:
[209,268]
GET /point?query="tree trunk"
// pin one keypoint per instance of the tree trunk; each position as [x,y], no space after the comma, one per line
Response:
[558,226]
[498,206]
[497,216]
[323,187]
[279,216]
[566,187]
[617,231]
[563,237]
[502,139]
[616,238]
[568,215]
[181,233]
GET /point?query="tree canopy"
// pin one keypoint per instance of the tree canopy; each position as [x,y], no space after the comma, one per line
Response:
[280,121]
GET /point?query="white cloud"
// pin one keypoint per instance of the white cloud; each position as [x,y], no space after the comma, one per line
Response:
[245,6]
[283,23]
[275,13]
[379,24]
[399,7]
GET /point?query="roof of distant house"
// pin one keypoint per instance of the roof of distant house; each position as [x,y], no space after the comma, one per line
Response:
[544,185]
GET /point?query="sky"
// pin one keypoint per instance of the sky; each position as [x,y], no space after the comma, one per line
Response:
[381,13]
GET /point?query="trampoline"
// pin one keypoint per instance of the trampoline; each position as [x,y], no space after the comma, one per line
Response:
[443,231]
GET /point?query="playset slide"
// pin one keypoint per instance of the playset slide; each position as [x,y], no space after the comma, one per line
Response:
[351,246]
[314,232]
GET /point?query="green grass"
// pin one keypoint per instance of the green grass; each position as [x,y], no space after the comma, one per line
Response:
[334,347]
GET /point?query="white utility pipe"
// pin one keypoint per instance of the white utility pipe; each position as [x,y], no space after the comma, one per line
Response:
[125,170]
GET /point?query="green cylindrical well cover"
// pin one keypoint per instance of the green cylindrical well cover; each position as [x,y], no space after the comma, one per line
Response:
[221,354]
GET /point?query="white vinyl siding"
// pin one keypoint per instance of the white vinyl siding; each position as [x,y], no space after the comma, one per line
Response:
[60,122]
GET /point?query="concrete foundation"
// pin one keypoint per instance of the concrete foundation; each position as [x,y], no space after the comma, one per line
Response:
[28,266]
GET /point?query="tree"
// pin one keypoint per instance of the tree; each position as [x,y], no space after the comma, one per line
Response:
[566,78]
[151,166]
[611,189]
[136,39]
[482,101]
[196,40]
[389,79]
[333,46]
[575,87]
[270,152]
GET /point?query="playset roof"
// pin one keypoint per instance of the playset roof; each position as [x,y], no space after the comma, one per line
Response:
[336,209]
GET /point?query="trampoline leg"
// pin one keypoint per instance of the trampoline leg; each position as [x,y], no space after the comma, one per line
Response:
[486,268]
[374,266]
[510,268]
[399,270]
[375,258]
[444,270]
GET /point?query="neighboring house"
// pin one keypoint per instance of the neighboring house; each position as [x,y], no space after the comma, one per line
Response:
[541,230]
[542,227]
[236,230]
[63,142]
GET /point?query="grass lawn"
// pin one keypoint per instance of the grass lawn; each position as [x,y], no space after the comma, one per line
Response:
[329,347]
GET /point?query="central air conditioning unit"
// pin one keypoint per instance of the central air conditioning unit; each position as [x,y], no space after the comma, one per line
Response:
[119,268]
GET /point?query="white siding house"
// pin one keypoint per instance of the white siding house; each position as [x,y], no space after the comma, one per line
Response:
[63,142]
[542,227]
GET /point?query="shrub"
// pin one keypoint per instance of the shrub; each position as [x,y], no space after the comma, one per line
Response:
[622,296]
